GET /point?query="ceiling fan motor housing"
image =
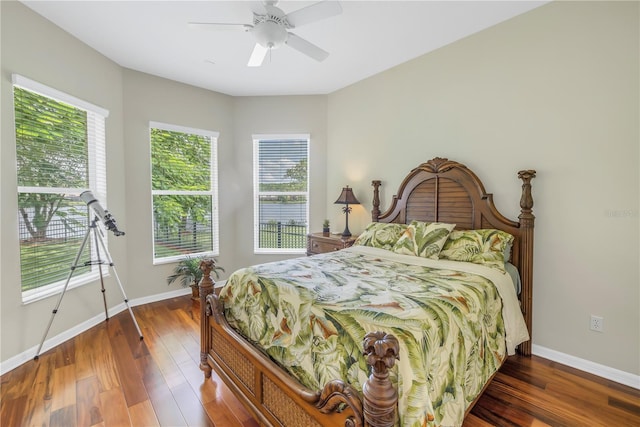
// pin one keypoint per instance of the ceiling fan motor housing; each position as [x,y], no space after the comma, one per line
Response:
[270,30]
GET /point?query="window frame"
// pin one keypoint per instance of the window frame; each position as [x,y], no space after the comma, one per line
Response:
[257,138]
[213,192]
[96,151]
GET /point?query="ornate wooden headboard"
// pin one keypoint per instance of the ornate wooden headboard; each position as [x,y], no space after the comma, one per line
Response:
[442,190]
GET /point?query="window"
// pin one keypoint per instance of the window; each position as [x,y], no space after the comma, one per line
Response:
[60,151]
[184,192]
[281,193]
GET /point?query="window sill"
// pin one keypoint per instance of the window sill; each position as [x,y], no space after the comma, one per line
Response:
[178,258]
[301,251]
[48,291]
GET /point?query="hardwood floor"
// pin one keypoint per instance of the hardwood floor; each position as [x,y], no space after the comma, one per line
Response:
[108,377]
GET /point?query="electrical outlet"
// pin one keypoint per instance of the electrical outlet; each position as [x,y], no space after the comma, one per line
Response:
[597,323]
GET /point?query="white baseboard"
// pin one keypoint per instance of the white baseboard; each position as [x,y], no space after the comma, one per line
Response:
[603,371]
[29,354]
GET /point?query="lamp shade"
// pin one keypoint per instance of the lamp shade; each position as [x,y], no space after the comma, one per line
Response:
[347,197]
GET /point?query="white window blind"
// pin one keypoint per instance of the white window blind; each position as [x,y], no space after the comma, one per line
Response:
[184,192]
[60,150]
[281,193]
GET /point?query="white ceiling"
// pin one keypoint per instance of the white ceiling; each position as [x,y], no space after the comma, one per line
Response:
[367,38]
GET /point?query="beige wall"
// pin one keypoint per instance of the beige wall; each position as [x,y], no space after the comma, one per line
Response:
[53,57]
[555,90]
[275,115]
[148,98]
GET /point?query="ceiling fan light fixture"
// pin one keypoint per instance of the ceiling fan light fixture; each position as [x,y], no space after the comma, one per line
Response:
[270,34]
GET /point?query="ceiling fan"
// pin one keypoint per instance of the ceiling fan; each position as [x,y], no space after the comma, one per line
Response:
[271,27]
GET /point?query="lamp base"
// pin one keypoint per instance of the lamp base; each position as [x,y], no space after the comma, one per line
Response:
[346,233]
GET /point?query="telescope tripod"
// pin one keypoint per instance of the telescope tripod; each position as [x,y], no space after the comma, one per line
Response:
[99,242]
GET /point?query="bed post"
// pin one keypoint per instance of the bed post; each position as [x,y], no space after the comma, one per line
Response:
[526,250]
[375,212]
[380,398]
[206,288]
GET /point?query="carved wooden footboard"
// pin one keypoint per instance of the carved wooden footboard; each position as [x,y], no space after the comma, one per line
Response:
[277,399]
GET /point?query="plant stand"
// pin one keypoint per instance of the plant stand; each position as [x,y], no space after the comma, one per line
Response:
[195,292]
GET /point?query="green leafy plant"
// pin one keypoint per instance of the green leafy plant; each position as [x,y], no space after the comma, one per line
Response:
[325,228]
[189,273]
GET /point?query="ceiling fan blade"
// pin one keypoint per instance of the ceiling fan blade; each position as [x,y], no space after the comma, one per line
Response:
[314,12]
[257,7]
[257,56]
[217,26]
[309,49]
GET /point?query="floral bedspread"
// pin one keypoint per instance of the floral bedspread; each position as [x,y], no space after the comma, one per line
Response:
[310,315]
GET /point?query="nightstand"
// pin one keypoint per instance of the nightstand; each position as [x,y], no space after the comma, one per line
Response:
[317,243]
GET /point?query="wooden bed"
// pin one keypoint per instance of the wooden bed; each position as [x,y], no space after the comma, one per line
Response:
[439,190]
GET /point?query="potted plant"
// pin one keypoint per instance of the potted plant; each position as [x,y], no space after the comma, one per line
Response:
[325,228]
[189,273]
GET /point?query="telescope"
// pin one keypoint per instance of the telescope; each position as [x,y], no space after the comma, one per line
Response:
[103,214]
[110,224]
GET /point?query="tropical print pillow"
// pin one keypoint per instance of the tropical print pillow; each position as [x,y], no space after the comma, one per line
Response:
[381,235]
[484,246]
[423,239]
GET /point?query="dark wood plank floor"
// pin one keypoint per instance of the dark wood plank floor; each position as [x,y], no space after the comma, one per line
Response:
[108,377]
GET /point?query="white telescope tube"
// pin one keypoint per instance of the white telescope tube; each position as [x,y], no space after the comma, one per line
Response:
[104,215]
